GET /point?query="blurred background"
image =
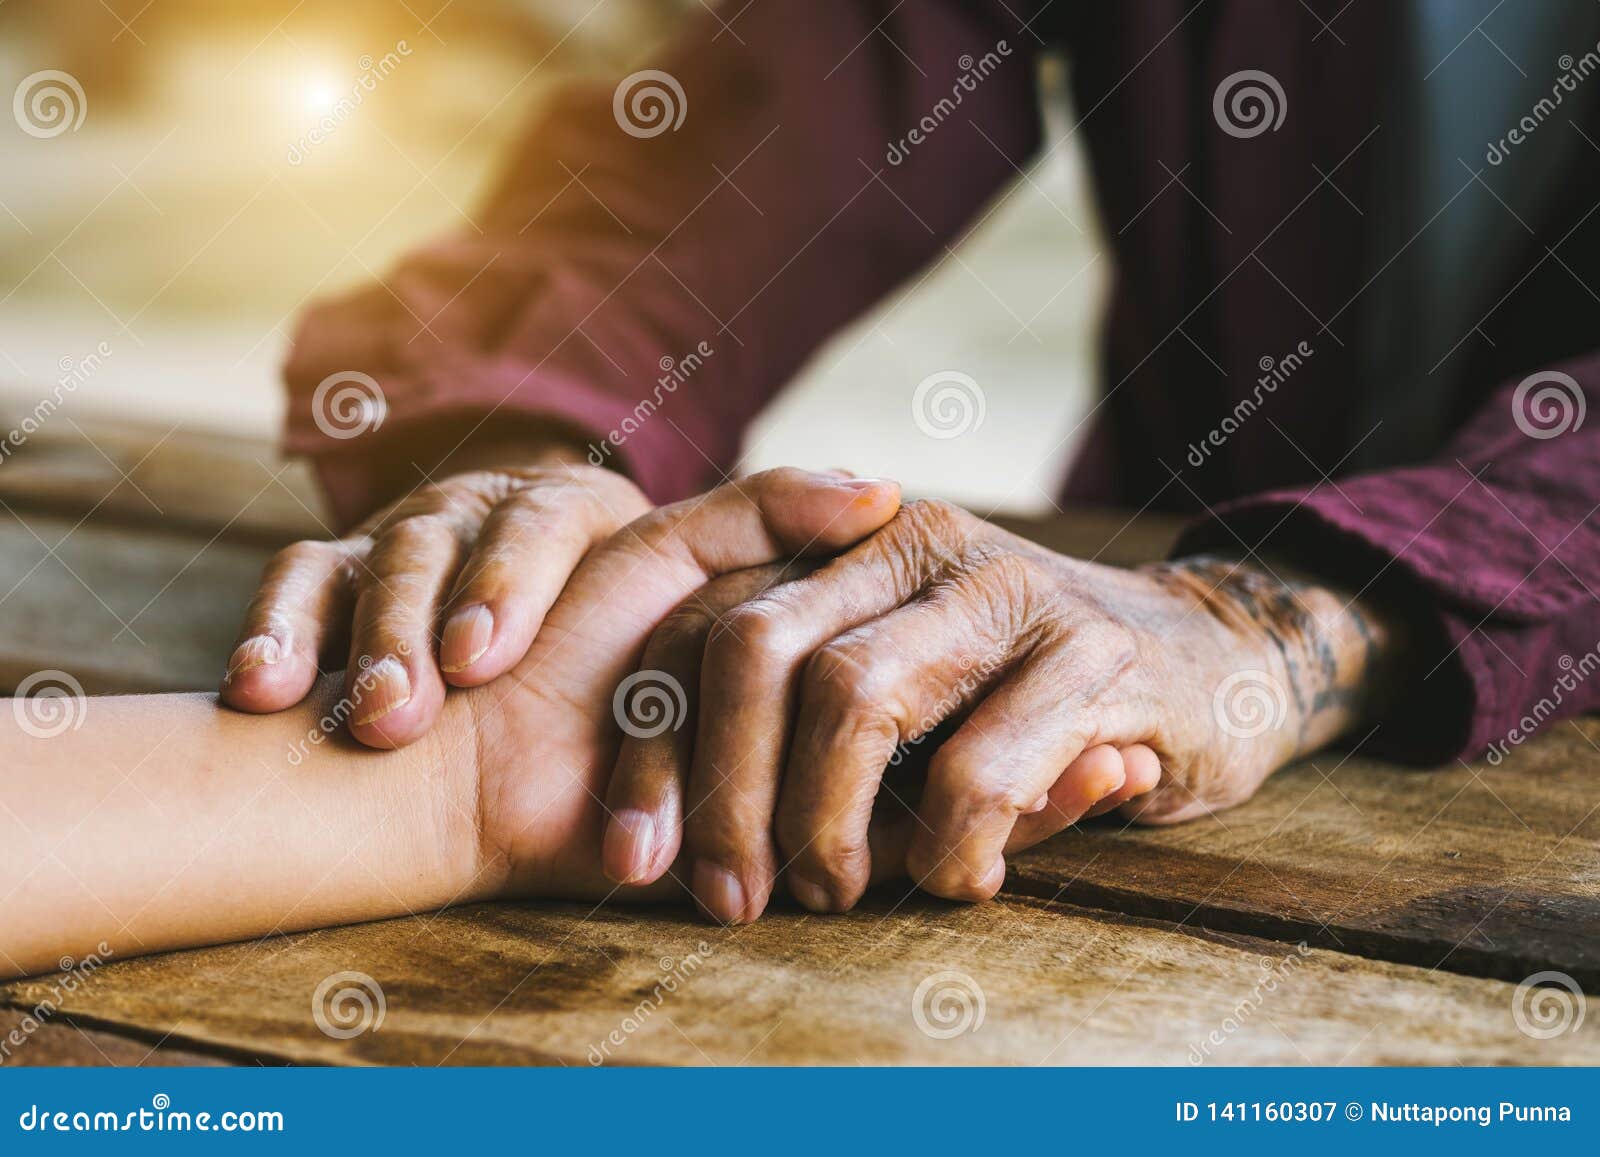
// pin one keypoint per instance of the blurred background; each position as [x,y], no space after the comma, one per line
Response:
[176,227]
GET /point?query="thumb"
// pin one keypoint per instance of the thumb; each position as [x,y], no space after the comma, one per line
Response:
[766,518]
[636,577]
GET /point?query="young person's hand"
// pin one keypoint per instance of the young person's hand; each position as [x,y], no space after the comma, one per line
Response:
[1062,689]
[446,586]
[547,735]
[150,822]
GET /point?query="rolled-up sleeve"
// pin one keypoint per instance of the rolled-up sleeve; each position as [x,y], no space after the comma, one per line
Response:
[1490,550]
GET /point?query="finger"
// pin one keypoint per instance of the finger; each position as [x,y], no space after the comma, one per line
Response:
[525,553]
[392,684]
[1010,751]
[596,631]
[1143,769]
[641,572]
[749,689]
[302,605]
[644,799]
[888,681]
[1095,777]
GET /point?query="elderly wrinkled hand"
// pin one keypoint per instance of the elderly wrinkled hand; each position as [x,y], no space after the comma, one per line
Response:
[1048,687]
[447,587]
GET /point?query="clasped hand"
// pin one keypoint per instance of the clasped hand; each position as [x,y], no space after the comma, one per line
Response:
[796,680]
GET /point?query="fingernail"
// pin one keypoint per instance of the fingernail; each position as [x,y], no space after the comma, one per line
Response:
[810,894]
[719,892]
[629,850]
[380,689]
[466,637]
[1038,805]
[1099,788]
[256,651]
[861,483]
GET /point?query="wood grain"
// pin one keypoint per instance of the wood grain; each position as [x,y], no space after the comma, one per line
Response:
[542,984]
[116,608]
[238,489]
[59,1041]
[1488,871]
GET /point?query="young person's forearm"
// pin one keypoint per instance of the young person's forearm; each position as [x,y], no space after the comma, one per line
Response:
[164,821]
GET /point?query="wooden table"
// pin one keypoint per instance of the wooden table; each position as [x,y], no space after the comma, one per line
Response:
[1352,912]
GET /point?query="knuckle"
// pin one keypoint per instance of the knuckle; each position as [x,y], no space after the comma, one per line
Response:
[409,546]
[683,630]
[958,768]
[616,493]
[758,631]
[831,857]
[728,827]
[651,528]
[934,519]
[776,476]
[422,530]
[300,556]
[844,677]
[491,572]
[537,510]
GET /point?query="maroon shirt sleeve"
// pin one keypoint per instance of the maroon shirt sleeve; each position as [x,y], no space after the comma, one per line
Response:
[1490,548]
[653,292]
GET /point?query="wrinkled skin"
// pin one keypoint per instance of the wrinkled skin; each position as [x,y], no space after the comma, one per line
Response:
[474,561]
[1011,691]
[545,736]
[1064,688]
